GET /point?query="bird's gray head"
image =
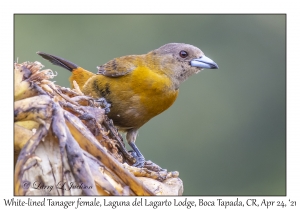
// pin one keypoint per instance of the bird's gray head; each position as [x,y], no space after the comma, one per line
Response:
[180,61]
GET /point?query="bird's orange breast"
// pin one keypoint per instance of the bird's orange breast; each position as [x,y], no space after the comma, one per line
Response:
[136,97]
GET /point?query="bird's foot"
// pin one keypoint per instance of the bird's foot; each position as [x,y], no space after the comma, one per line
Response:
[139,160]
[153,166]
[103,103]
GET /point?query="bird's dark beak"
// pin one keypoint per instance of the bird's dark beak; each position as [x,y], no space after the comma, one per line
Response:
[204,62]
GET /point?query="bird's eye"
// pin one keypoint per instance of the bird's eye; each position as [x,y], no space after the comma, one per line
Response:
[183,54]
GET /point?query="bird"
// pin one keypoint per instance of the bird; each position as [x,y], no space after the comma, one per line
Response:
[138,87]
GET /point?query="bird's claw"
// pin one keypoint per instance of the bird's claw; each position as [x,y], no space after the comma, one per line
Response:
[139,160]
[106,106]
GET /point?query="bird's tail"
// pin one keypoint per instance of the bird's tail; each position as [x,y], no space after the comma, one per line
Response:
[79,74]
[59,61]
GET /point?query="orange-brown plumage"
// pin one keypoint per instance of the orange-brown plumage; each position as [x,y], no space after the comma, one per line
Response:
[139,87]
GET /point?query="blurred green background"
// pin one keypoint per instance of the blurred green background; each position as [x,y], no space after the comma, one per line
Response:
[226,133]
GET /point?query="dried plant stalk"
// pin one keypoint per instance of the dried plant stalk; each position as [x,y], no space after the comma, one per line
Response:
[65,144]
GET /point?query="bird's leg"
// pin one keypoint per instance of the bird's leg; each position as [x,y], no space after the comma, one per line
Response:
[140,160]
[131,137]
[106,106]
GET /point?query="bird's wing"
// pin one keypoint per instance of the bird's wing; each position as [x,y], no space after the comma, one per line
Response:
[118,67]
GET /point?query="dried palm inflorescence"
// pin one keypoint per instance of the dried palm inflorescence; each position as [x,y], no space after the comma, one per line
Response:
[65,144]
